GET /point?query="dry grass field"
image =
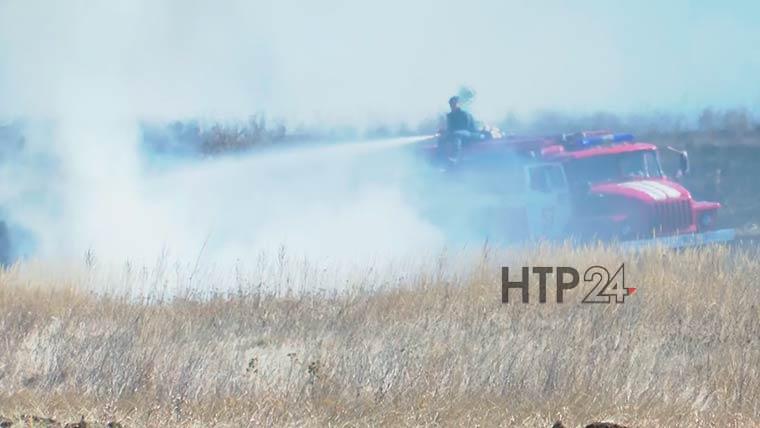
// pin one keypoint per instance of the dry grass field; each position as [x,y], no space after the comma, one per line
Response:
[430,347]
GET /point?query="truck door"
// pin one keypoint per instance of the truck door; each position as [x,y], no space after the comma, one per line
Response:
[548,203]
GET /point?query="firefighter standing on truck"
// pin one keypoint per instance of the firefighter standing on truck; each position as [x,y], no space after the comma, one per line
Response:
[457,119]
[460,129]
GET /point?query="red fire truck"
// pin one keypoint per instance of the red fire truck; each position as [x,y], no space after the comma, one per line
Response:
[594,185]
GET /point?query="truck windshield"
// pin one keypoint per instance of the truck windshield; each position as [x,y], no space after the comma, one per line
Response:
[614,167]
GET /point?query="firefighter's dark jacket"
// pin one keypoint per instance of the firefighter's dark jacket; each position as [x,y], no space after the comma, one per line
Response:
[459,120]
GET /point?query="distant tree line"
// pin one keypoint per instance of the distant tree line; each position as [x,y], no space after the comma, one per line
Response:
[194,138]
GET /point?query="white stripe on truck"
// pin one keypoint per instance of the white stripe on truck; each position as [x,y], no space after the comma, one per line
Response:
[656,190]
[653,192]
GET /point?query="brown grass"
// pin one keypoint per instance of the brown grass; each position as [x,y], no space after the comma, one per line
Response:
[435,348]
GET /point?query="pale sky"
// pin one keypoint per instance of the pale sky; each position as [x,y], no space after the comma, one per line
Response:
[340,60]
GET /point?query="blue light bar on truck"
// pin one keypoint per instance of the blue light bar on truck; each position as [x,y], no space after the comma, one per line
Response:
[585,140]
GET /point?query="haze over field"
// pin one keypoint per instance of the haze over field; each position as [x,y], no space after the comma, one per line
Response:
[95,70]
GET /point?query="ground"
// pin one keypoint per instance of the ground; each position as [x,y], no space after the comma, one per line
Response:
[432,347]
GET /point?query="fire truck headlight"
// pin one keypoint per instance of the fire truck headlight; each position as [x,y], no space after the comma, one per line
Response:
[706,220]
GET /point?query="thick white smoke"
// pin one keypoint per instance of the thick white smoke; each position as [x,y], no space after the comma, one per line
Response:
[91,73]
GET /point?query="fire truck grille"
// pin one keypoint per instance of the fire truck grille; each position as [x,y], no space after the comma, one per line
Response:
[672,215]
